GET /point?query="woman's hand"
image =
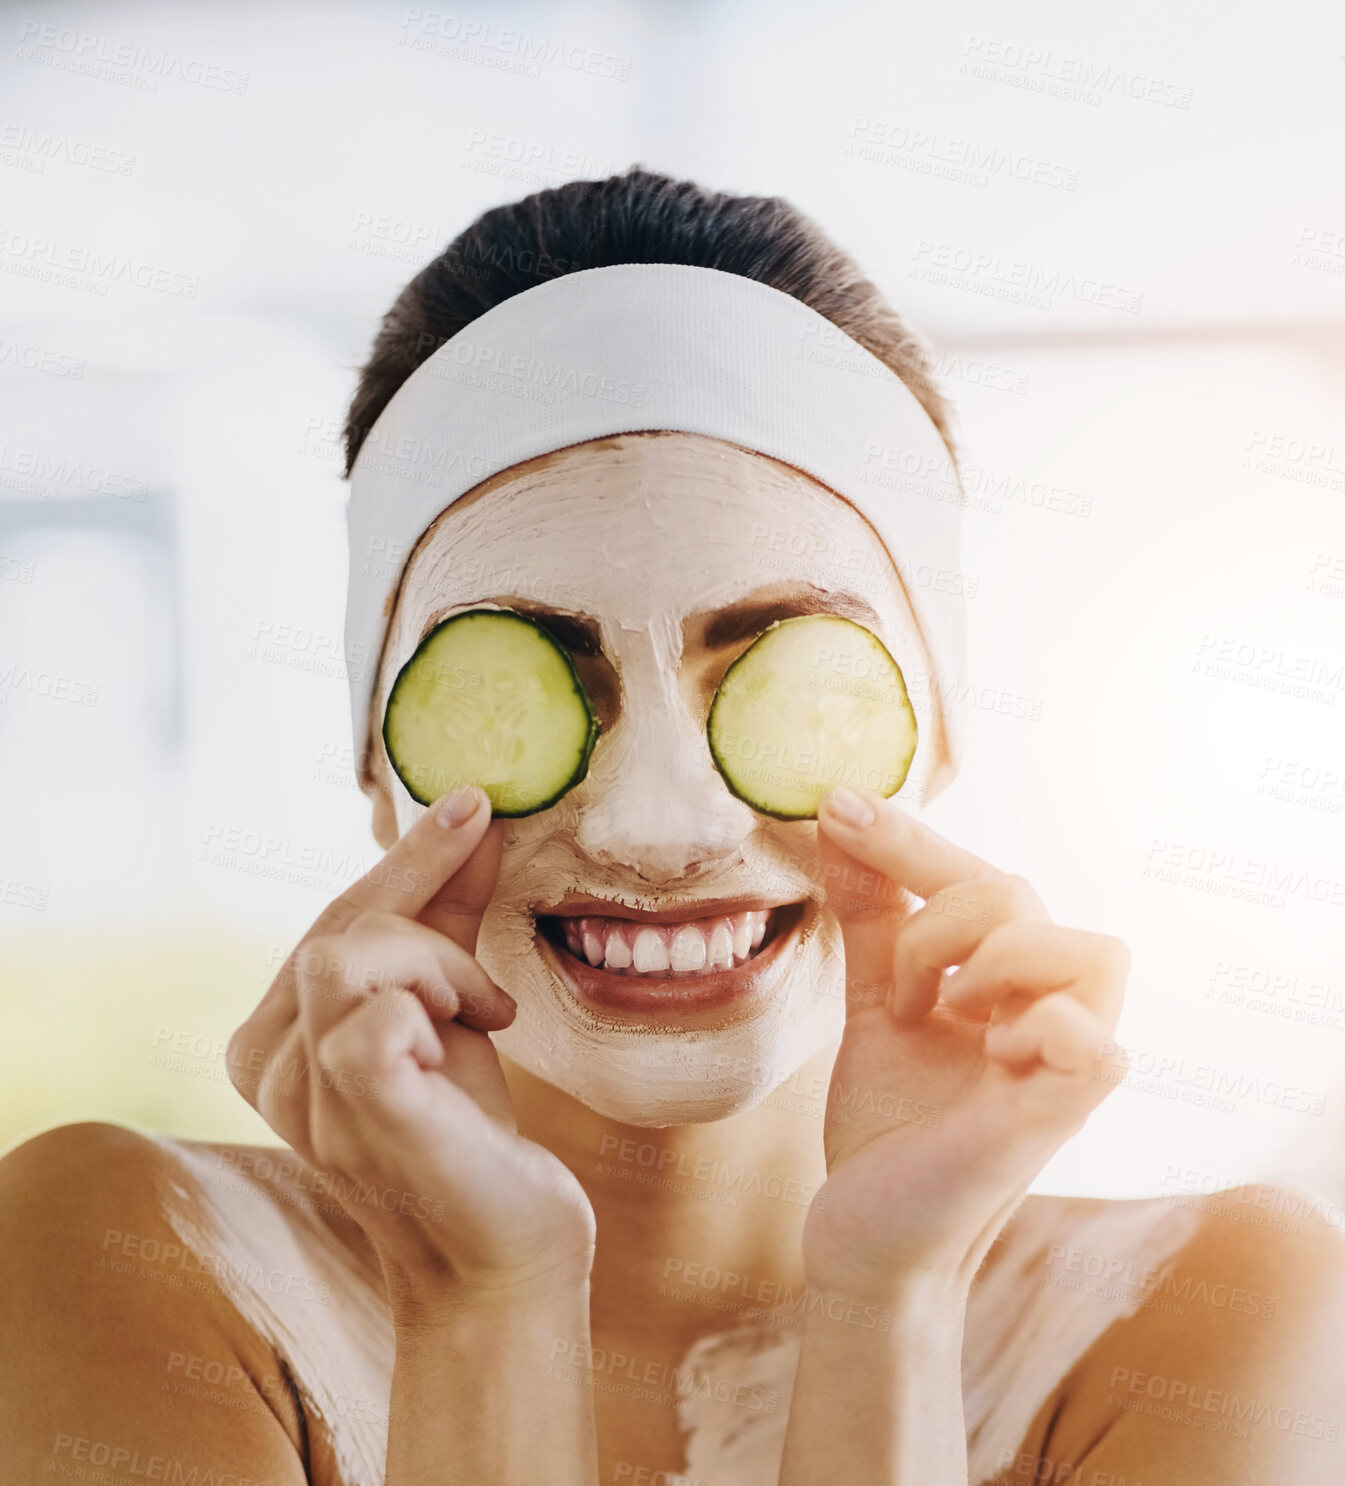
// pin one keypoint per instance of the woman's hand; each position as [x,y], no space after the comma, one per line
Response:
[953,1086]
[369,1055]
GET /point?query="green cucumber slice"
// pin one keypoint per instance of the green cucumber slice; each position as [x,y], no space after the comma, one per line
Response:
[814,702]
[490,698]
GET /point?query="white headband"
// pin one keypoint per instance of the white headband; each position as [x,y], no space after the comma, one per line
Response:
[644,346]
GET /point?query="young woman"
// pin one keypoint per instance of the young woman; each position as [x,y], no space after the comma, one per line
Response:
[651,1137]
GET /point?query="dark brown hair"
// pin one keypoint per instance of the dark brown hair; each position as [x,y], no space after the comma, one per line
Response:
[635,217]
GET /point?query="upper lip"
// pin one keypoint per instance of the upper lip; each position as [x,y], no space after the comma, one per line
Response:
[577,906]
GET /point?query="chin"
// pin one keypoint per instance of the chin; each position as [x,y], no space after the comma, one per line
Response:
[626,1097]
[656,1047]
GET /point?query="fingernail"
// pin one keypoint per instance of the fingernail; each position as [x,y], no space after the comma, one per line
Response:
[459,807]
[850,809]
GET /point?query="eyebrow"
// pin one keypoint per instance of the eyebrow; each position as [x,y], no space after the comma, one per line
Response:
[574,631]
[750,616]
[725,627]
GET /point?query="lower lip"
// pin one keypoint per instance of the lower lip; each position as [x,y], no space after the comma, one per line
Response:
[673,995]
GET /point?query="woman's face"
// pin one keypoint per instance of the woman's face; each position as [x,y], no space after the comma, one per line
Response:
[656,560]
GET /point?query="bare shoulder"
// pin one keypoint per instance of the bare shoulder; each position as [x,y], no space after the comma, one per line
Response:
[1228,1366]
[91,1165]
[106,1317]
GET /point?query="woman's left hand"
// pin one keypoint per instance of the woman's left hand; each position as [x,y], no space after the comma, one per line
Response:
[953,1086]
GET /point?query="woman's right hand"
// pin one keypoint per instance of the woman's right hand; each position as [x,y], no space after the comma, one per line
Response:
[369,1055]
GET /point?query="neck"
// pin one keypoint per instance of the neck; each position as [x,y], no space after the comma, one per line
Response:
[696,1223]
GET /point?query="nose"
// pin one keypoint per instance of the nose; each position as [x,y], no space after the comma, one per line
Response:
[653,801]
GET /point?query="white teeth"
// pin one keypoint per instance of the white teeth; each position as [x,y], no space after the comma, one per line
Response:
[619,956]
[650,952]
[688,950]
[720,949]
[694,947]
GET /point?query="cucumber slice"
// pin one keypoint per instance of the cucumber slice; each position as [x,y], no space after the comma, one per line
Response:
[490,698]
[816,701]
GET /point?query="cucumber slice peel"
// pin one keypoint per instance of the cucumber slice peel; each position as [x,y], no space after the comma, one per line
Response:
[490,698]
[814,702]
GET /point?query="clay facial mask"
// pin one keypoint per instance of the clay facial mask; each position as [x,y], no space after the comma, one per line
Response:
[649,540]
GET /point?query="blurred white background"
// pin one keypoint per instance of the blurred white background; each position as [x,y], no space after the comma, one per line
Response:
[1123,232]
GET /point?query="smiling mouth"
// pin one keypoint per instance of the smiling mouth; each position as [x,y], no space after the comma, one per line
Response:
[655,964]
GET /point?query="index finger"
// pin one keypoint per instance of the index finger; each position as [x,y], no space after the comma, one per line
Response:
[418,864]
[896,844]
